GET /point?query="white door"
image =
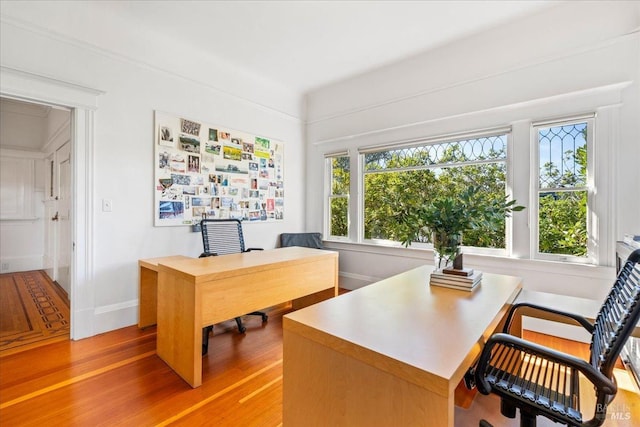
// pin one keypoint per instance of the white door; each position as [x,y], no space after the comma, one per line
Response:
[51,224]
[63,250]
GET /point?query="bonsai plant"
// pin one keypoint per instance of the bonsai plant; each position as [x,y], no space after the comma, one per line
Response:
[447,217]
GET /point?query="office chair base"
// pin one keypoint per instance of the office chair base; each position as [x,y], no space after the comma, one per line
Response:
[507,409]
[206,331]
[241,328]
[470,379]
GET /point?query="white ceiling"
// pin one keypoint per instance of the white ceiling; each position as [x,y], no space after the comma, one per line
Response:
[24,108]
[301,45]
[306,44]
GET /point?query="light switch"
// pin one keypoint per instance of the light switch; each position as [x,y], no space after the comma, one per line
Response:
[107,205]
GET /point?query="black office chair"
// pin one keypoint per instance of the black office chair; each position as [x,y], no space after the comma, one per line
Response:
[223,237]
[542,381]
[307,240]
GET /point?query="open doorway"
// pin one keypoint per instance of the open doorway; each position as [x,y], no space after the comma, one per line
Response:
[82,102]
[35,144]
[35,156]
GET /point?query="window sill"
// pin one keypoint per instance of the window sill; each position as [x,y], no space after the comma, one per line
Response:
[489,262]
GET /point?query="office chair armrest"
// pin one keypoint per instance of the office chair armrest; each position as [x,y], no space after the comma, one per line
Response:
[207,254]
[253,249]
[579,319]
[599,380]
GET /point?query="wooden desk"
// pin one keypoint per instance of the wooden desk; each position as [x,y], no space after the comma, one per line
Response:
[148,288]
[193,293]
[391,353]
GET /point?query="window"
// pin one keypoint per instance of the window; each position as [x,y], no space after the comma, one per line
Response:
[563,189]
[338,203]
[400,176]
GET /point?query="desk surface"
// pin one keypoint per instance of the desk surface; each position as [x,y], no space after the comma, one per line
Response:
[198,270]
[407,327]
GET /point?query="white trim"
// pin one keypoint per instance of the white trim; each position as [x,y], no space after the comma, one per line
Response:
[489,262]
[29,86]
[24,85]
[11,152]
[573,119]
[592,234]
[504,72]
[62,130]
[115,316]
[599,96]
[115,307]
[343,153]
[436,139]
[27,26]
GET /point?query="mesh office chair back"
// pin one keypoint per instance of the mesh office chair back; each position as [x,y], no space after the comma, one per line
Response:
[222,237]
[543,381]
[306,240]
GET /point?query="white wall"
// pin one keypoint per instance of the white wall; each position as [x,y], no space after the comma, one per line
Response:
[574,58]
[123,157]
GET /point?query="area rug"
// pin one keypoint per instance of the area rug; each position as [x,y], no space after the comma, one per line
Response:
[31,312]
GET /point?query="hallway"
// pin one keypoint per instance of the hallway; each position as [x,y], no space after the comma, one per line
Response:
[34,311]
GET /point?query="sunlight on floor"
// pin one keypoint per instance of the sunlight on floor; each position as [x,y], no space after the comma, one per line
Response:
[626,381]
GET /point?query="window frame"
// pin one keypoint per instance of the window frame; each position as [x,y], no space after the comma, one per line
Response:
[589,187]
[329,196]
[505,131]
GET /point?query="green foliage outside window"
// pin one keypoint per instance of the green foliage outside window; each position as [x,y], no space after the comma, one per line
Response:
[408,178]
[562,210]
[398,180]
[339,198]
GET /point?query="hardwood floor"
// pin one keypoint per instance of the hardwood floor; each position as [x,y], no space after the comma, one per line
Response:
[117,379]
[33,311]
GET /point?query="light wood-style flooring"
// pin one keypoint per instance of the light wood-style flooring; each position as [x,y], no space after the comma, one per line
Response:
[117,379]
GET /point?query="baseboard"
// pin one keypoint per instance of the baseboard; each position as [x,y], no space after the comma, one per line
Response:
[115,316]
[353,281]
[15,264]
[569,332]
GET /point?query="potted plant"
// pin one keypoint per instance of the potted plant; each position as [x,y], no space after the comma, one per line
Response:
[447,217]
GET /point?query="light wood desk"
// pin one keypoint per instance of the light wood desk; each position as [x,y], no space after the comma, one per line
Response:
[391,353]
[148,288]
[193,293]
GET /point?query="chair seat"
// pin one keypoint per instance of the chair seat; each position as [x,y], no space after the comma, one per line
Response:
[545,386]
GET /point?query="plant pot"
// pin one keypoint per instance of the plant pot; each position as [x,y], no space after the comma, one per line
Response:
[446,247]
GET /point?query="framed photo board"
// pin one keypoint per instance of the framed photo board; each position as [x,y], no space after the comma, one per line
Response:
[211,171]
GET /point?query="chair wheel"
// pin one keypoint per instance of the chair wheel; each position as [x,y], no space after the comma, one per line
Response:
[484,423]
[264,317]
[470,379]
[242,329]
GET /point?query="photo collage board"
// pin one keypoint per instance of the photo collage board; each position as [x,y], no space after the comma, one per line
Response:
[210,171]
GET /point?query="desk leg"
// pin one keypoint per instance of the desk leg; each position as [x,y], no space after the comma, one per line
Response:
[308,300]
[324,387]
[147,297]
[179,341]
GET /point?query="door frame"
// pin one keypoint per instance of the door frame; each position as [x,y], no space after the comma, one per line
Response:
[83,102]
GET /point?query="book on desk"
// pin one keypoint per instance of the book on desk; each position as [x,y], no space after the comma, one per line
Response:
[456,281]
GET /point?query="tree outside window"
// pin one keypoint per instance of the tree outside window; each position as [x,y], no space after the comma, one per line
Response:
[340,177]
[562,189]
[397,179]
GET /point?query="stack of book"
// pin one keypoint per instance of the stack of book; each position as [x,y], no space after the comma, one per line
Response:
[465,279]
